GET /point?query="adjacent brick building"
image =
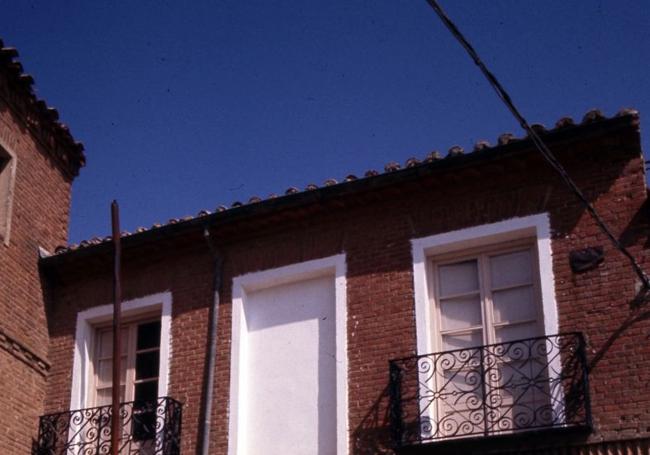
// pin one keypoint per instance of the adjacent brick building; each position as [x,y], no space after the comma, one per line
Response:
[38,162]
[462,260]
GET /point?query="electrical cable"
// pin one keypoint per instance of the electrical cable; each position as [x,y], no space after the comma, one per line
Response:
[539,144]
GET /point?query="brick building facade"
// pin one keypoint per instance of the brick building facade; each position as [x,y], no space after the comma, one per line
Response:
[38,161]
[321,288]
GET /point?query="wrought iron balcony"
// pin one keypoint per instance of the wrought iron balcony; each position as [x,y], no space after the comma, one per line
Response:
[500,389]
[147,428]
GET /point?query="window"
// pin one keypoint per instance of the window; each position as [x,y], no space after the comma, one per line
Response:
[485,301]
[146,353]
[489,357]
[88,346]
[140,360]
[456,245]
[489,296]
[7,170]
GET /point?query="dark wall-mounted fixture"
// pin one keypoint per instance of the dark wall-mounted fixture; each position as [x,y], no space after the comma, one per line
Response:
[586,259]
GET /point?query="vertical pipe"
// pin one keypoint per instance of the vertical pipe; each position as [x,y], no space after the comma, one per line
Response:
[117,351]
[211,355]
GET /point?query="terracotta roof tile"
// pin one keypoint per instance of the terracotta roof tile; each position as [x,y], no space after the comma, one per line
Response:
[538,128]
[627,111]
[392,167]
[592,116]
[411,162]
[564,122]
[71,155]
[503,139]
[433,156]
[455,150]
[506,138]
[481,145]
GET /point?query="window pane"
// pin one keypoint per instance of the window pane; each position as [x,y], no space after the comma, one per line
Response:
[468,340]
[462,388]
[458,278]
[144,411]
[146,391]
[105,396]
[144,427]
[511,269]
[106,343]
[460,403]
[146,365]
[516,304]
[149,335]
[524,391]
[517,332]
[105,372]
[461,312]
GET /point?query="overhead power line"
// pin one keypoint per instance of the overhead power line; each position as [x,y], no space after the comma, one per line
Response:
[539,144]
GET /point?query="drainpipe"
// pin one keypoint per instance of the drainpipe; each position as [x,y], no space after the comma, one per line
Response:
[208,384]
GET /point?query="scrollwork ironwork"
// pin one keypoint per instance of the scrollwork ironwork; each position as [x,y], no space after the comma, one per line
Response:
[521,385]
[147,428]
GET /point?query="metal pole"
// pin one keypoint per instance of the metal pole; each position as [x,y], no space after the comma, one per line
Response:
[203,447]
[117,351]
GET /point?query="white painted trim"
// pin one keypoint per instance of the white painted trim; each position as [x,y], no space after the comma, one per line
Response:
[5,231]
[533,226]
[536,226]
[86,320]
[333,265]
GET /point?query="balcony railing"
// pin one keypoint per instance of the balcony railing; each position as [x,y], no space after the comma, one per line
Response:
[147,428]
[500,389]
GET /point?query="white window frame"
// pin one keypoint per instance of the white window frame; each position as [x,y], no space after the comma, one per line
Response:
[334,266]
[535,227]
[82,393]
[7,182]
[131,325]
[487,311]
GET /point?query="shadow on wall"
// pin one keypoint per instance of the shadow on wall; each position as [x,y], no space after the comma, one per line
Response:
[636,232]
[638,312]
[372,436]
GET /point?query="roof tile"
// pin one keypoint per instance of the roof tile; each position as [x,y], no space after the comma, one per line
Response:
[503,139]
[455,150]
[72,156]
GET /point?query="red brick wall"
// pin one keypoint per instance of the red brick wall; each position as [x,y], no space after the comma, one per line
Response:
[41,202]
[23,391]
[375,235]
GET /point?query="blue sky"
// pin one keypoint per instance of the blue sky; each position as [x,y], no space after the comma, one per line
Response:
[184,106]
